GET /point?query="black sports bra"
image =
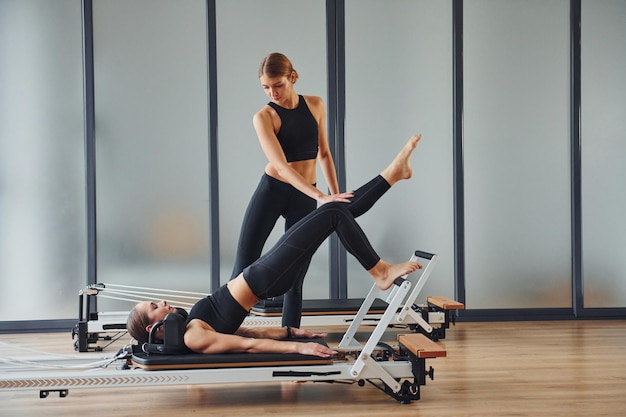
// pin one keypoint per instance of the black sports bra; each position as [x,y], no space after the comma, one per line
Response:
[298,134]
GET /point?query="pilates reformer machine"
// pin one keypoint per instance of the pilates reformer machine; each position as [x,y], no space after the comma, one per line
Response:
[398,371]
[94,331]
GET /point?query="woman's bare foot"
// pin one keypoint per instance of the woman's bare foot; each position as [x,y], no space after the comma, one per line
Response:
[400,167]
[385,274]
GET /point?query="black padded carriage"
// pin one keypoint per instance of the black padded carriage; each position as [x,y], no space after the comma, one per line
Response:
[155,361]
[173,354]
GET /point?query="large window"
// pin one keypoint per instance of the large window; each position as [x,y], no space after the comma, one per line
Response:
[42,197]
[399,82]
[516,154]
[150,70]
[603,152]
[152,161]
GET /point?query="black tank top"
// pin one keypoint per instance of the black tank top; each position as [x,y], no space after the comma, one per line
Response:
[298,131]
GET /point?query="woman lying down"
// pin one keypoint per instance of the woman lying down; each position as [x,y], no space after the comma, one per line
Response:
[214,322]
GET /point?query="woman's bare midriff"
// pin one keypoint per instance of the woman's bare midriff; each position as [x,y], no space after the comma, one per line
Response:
[305,168]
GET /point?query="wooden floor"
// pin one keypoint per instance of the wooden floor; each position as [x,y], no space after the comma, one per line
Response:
[567,368]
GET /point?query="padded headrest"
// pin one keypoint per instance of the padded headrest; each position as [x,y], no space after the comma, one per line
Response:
[174,325]
[182,312]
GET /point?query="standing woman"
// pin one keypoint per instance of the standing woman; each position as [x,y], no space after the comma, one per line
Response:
[291,129]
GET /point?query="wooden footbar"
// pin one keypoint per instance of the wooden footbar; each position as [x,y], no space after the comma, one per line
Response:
[445,303]
[421,346]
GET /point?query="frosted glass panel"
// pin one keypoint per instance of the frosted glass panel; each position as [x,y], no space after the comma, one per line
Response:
[399,82]
[42,198]
[604,152]
[152,144]
[516,148]
[244,38]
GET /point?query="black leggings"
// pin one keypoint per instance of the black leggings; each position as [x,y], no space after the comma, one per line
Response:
[273,274]
[271,200]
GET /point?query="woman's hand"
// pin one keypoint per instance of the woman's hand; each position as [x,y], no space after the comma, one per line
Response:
[339,198]
[315,349]
[305,334]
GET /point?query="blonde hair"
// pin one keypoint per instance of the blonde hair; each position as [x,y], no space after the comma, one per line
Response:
[277,65]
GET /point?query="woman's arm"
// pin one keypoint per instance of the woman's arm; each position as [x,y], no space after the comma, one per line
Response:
[199,337]
[277,333]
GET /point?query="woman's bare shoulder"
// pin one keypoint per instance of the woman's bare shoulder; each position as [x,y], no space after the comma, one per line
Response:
[314,101]
[265,111]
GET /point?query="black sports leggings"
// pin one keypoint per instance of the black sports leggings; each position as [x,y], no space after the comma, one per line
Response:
[271,200]
[272,274]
